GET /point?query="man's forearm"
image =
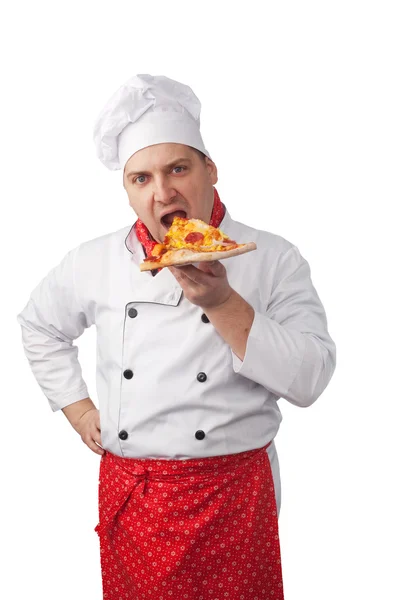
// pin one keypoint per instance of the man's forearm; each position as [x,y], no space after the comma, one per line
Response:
[75,411]
[233,320]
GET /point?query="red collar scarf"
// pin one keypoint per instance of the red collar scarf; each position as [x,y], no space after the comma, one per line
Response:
[146,239]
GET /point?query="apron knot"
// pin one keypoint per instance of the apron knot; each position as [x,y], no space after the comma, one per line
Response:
[130,482]
[141,475]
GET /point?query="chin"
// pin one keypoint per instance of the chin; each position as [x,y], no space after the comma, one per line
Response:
[160,234]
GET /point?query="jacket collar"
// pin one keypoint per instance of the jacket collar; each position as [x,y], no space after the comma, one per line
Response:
[161,289]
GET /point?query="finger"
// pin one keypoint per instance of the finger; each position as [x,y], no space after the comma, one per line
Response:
[190,272]
[97,437]
[90,443]
[95,432]
[180,273]
[95,448]
[213,266]
[176,272]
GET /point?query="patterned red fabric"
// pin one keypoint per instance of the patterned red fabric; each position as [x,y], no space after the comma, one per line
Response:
[147,240]
[196,529]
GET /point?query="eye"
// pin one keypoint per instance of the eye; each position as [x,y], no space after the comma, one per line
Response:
[183,168]
[139,177]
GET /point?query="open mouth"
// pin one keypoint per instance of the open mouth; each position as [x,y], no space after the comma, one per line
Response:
[167,219]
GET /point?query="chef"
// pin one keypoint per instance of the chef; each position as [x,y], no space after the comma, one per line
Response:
[191,363]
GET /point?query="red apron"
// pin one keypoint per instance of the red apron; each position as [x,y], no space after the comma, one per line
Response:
[196,529]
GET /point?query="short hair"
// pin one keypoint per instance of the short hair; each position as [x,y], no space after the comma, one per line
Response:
[200,153]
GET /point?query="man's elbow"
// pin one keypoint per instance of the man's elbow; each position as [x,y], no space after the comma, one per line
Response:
[313,379]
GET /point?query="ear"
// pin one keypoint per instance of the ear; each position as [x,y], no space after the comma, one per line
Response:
[212,170]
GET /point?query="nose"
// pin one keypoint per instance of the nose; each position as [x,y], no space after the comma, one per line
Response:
[162,190]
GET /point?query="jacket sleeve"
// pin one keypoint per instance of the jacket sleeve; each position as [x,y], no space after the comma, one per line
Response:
[289,350]
[50,322]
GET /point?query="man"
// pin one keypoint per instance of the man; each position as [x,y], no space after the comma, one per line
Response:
[191,364]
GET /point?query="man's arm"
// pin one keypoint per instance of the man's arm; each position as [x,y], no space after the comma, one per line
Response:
[50,322]
[74,412]
[85,419]
[286,348]
[233,320]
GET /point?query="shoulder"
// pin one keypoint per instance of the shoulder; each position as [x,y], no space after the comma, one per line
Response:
[266,241]
[109,243]
[94,261]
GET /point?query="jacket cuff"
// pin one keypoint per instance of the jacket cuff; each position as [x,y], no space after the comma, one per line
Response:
[59,403]
[273,355]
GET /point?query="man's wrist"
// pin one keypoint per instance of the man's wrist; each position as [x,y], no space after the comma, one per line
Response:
[223,304]
[233,320]
[75,411]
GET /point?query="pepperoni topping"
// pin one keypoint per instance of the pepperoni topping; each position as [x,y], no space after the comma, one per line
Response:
[152,259]
[193,237]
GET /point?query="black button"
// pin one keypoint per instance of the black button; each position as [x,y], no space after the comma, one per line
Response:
[204,318]
[200,435]
[201,377]
[132,312]
[123,435]
[128,374]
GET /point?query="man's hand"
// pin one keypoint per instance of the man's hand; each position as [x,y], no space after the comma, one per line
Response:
[230,314]
[88,428]
[206,286]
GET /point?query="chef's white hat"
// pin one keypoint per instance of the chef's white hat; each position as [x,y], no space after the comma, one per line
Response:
[147,110]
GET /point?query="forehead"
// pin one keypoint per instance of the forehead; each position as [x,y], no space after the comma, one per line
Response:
[158,155]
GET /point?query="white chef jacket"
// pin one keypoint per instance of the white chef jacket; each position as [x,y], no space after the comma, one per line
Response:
[164,374]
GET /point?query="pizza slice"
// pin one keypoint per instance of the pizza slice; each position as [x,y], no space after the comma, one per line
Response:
[191,241]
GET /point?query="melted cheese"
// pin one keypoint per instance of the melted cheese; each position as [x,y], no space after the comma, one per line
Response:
[213,240]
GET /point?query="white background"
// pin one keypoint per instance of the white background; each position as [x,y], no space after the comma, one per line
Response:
[301,115]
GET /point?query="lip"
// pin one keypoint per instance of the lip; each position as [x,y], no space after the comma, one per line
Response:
[162,215]
[165,225]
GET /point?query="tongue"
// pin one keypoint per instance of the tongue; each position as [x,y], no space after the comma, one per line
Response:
[170,217]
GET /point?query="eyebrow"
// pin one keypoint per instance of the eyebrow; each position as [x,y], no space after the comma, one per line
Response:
[167,166]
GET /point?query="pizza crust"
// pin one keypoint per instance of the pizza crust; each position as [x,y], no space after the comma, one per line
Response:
[187,257]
